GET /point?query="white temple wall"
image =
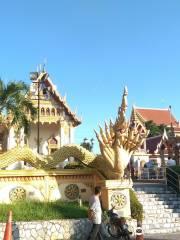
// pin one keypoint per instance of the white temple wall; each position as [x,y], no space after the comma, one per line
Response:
[22,135]
[11,141]
[46,132]
[71,140]
[62,136]
[50,185]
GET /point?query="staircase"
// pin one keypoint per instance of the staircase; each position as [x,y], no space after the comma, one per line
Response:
[161,208]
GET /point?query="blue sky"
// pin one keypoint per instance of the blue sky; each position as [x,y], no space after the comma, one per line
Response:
[93,48]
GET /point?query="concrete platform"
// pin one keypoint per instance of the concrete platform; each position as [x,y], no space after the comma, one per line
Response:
[168,236]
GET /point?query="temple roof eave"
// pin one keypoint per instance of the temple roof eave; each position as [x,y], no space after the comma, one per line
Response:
[60,101]
[75,119]
[154,114]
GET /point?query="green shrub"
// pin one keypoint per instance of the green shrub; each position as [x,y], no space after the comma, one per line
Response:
[136,207]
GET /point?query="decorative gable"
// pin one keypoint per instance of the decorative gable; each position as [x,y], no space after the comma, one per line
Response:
[53,107]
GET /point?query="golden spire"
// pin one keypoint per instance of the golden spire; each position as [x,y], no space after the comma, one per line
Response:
[119,141]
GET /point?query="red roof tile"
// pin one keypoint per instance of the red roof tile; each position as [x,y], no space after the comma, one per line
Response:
[177,129]
[158,116]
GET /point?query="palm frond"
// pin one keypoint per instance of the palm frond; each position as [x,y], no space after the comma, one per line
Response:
[14,99]
[15,87]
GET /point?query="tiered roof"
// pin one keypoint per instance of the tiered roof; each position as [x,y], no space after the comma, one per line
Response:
[48,84]
[62,101]
[158,116]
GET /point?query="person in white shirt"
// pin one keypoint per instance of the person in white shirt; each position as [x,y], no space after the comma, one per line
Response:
[171,162]
[95,205]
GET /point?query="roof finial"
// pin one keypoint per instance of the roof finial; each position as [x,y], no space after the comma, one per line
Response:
[64,98]
[75,111]
[44,64]
[165,136]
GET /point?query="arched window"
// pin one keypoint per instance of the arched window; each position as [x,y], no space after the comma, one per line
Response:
[52,145]
[42,111]
[53,112]
[139,128]
[58,111]
[48,112]
[53,140]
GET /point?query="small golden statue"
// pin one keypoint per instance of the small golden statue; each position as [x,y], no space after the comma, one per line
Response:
[119,141]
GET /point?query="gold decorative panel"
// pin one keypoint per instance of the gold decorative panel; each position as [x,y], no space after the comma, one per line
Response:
[72,191]
[118,200]
[17,194]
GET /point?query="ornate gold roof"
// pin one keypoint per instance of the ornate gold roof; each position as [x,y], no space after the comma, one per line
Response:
[51,89]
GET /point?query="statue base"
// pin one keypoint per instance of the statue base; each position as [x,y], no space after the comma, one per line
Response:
[115,193]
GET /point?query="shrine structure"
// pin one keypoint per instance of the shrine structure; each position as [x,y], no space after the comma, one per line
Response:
[54,125]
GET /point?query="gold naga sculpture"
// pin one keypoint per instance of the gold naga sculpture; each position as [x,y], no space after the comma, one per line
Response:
[119,140]
[117,144]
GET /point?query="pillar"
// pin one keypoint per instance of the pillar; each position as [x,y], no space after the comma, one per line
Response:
[115,193]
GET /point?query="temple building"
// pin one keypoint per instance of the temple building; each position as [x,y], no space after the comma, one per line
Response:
[153,145]
[158,116]
[54,125]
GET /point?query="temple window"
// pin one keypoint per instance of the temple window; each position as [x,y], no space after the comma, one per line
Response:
[53,141]
[58,111]
[44,91]
[42,111]
[52,145]
[53,112]
[48,112]
[139,128]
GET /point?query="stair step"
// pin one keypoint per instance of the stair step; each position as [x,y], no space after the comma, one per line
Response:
[160,225]
[155,192]
[161,208]
[161,220]
[158,206]
[158,211]
[162,230]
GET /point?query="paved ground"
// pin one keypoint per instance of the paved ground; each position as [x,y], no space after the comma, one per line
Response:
[170,236]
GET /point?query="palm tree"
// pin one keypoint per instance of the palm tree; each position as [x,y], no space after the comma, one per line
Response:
[15,103]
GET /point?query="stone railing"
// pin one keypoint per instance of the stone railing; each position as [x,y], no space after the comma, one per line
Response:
[173,179]
[152,173]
